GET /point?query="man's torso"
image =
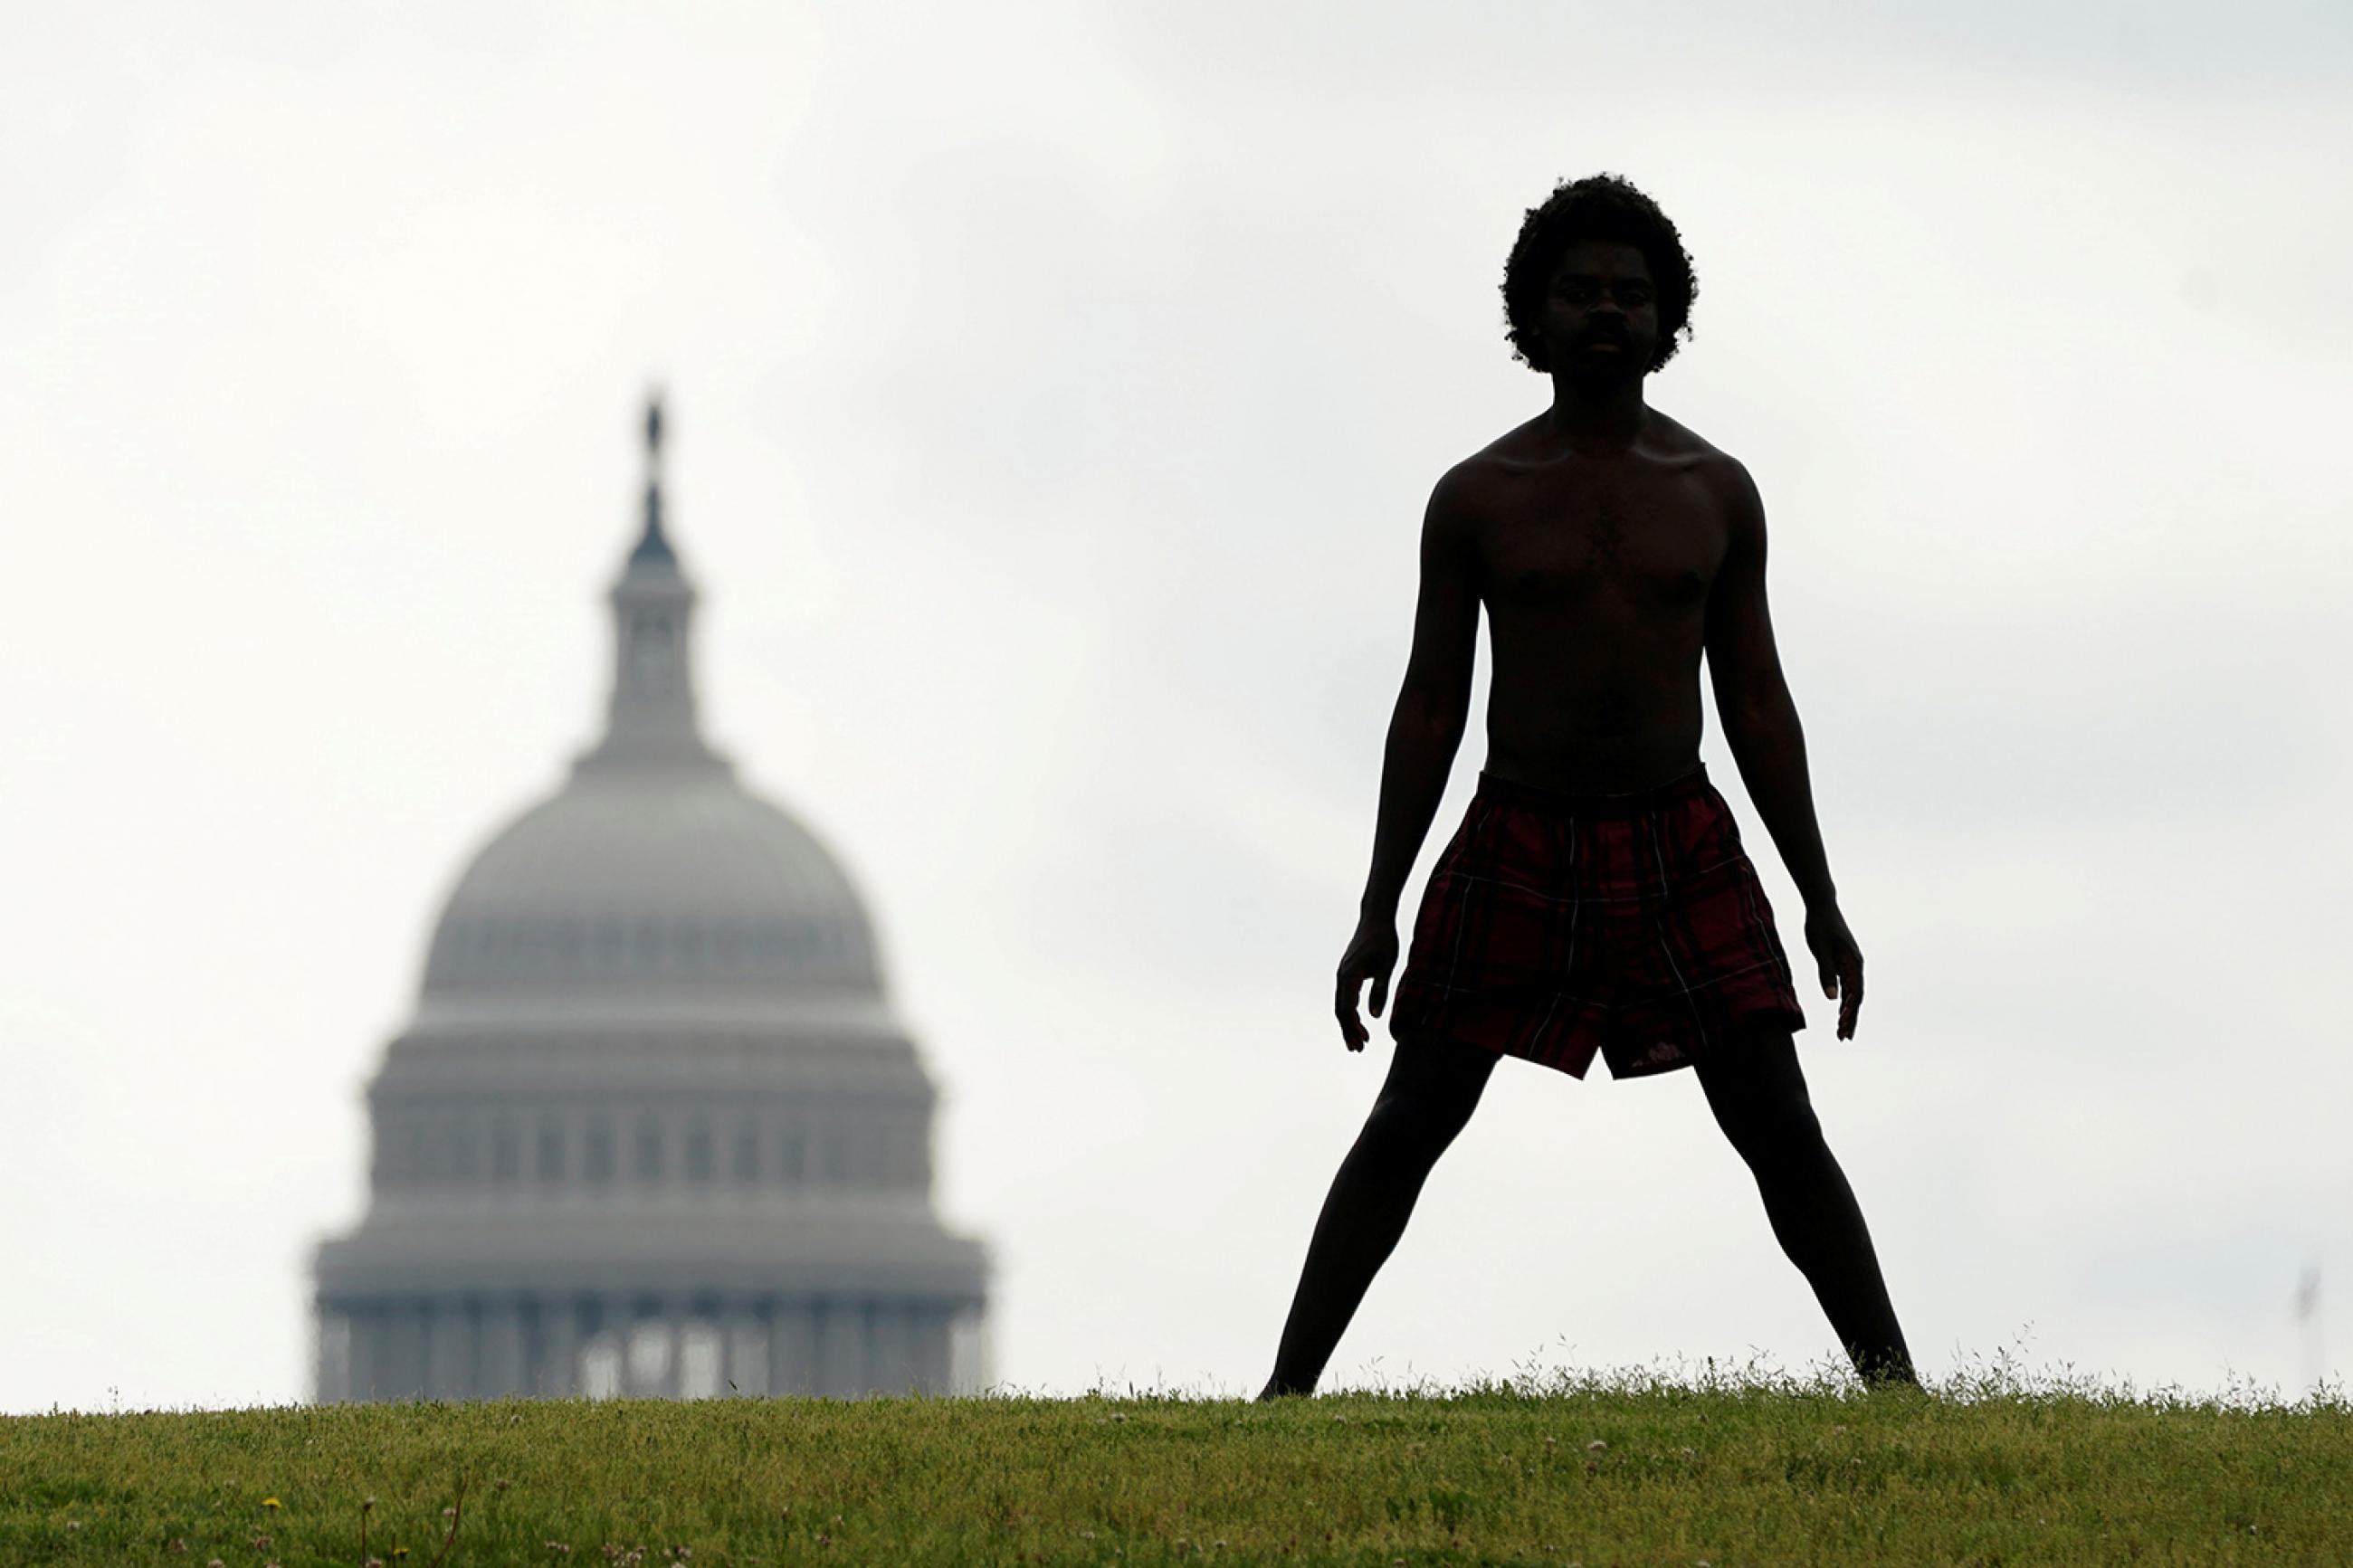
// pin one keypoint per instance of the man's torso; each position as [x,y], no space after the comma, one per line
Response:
[1594,572]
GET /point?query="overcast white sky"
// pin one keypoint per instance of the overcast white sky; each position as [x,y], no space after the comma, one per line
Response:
[1056,389]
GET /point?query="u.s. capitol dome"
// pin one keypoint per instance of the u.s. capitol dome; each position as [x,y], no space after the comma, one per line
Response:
[654,1127]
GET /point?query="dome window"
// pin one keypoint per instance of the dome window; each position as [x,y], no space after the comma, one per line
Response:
[551,1149]
[597,1153]
[650,1150]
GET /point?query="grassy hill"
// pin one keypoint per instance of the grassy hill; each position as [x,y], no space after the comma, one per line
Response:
[1581,1470]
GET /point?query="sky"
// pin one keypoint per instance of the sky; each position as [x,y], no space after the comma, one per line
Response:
[1053,393]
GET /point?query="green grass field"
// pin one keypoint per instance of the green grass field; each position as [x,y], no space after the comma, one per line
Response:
[1624,1470]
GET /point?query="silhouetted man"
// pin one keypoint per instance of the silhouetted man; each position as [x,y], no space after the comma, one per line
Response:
[1595,897]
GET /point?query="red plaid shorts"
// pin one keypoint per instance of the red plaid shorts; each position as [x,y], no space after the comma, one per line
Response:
[1556,925]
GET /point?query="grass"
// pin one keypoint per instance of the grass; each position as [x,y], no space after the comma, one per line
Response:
[1583,1469]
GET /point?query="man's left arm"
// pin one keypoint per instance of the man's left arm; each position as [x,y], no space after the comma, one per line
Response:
[1761,725]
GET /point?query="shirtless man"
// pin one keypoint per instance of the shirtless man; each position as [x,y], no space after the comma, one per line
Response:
[1596,899]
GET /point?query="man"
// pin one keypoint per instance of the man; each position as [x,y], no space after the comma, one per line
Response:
[1596,898]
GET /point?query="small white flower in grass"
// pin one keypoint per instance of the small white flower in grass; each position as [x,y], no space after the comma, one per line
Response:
[1596,1446]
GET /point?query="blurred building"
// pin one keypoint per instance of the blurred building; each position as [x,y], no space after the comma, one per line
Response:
[654,1128]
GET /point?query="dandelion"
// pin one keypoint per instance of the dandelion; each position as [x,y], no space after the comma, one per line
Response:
[398,1552]
[271,1502]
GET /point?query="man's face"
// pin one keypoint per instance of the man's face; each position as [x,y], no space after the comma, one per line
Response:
[1601,313]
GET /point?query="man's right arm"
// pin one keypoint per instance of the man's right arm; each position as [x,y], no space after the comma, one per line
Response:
[1434,705]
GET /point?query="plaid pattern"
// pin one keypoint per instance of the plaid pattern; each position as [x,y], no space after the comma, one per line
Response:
[1559,925]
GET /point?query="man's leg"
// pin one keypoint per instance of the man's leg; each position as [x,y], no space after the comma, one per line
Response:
[1759,1095]
[1432,1088]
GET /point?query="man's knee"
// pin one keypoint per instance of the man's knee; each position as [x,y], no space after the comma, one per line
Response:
[1422,1117]
[1425,1111]
[1760,1102]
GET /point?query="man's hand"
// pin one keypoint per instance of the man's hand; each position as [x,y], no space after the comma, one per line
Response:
[1841,961]
[1372,953]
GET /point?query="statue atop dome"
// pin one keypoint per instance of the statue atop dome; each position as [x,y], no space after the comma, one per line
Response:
[652,547]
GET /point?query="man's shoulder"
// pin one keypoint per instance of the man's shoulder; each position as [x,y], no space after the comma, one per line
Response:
[1724,475]
[1676,441]
[1475,476]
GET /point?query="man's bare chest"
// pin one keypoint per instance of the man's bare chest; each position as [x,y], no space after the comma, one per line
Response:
[1652,545]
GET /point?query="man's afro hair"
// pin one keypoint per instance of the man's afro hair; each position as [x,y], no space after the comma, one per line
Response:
[1600,206]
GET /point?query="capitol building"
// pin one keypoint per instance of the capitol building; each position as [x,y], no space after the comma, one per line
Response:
[654,1128]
